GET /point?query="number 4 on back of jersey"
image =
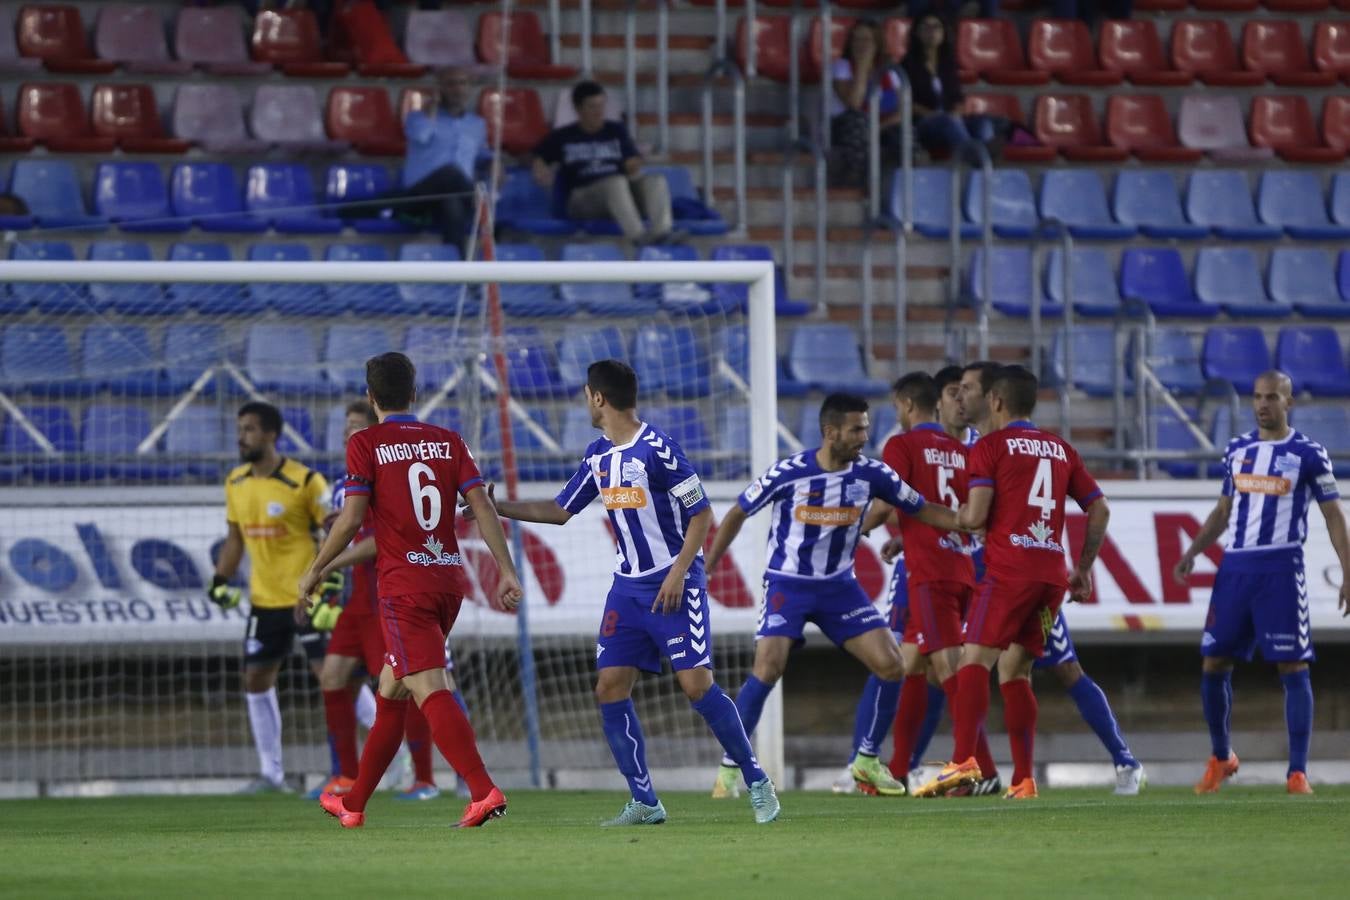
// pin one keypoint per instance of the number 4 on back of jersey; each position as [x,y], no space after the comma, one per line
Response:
[1041,487]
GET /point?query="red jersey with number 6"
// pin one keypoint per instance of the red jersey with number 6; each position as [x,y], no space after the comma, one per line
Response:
[414,473]
[934,464]
[1032,473]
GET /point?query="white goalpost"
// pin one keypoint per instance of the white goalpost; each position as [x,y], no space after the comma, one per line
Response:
[117,414]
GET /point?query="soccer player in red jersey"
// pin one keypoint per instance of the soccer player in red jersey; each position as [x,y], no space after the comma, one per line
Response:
[407,473]
[1020,479]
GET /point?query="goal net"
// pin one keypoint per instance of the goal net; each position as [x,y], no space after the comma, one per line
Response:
[119,387]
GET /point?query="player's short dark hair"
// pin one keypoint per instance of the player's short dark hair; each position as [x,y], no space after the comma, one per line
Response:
[362,408]
[945,376]
[1018,387]
[918,388]
[269,417]
[392,380]
[988,373]
[837,406]
[614,380]
[585,90]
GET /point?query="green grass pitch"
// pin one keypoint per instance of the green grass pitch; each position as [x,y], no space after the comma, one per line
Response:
[1069,843]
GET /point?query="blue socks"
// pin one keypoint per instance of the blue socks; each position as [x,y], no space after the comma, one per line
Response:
[750,701]
[1298,713]
[1096,711]
[724,718]
[879,717]
[862,718]
[937,700]
[1216,696]
[624,734]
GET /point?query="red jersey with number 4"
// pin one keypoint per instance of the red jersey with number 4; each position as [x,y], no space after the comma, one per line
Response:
[934,464]
[1032,473]
[414,473]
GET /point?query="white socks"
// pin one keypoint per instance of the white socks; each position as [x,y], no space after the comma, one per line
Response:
[264,716]
[365,707]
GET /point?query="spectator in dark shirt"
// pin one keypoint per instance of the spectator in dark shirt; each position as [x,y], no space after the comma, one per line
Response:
[862,70]
[940,122]
[599,172]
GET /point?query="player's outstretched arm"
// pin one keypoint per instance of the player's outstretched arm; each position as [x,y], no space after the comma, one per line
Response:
[876,516]
[490,527]
[671,594]
[1080,580]
[360,552]
[975,514]
[1335,518]
[939,516]
[339,536]
[1210,532]
[544,512]
[726,533]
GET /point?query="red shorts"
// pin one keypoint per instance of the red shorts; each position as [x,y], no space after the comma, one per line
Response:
[415,626]
[358,635]
[937,610]
[1013,612]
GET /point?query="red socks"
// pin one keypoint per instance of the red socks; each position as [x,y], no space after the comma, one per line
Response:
[981,754]
[1019,715]
[969,710]
[381,745]
[417,733]
[340,713]
[909,716]
[454,737]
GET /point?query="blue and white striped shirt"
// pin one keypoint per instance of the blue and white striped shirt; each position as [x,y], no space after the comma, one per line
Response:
[1272,484]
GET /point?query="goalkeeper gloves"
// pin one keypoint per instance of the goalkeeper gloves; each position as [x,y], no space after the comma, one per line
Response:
[222,594]
[328,597]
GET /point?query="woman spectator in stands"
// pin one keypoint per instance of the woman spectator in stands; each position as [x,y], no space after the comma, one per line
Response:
[940,122]
[860,71]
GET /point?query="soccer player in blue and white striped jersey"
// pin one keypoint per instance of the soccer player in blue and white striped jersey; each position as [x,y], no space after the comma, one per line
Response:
[1272,476]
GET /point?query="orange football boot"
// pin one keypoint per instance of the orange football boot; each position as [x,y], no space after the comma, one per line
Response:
[1216,770]
[338,786]
[1298,783]
[1023,790]
[479,811]
[952,775]
[332,804]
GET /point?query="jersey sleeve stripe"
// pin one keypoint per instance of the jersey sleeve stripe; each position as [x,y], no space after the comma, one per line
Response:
[356,487]
[981,482]
[470,484]
[1091,498]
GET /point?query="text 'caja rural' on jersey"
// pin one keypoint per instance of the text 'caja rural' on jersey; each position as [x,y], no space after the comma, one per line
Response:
[277,515]
[362,598]
[650,492]
[817,515]
[413,471]
[1032,472]
[1272,484]
[934,464]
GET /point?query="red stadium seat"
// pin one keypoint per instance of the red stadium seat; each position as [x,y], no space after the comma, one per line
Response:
[1275,48]
[521,114]
[1336,123]
[1140,124]
[55,35]
[1331,48]
[1063,47]
[772,48]
[811,63]
[1132,48]
[1010,108]
[1226,5]
[1284,123]
[896,33]
[1067,123]
[411,98]
[129,114]
[289,39]
[1204,47]
[363,117]
[52,114]
[527,53]
[10,143]
[1297,6]
[990,49]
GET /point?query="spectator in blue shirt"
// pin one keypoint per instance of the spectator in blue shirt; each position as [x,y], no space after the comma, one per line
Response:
[599,172]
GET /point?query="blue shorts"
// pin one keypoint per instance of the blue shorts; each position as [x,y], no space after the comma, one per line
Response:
[1058,646]
[632,635]
[898,596]
[1265,607]
[839,607]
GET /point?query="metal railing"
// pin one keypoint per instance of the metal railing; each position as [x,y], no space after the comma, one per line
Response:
[662,145]
[719,69]
[876,221]
[981,304]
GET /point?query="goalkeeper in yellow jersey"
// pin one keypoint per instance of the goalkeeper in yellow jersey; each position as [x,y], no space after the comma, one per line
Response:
[273,506]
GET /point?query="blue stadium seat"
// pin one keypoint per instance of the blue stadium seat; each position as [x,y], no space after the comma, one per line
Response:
[116,430]
[671,359]
[283,194]
[579,347]
[362,299]
[733,439]
[199,431]
[51,189]
[932,205]
[827,357]
[1305,279]
[1223,428]
[532,364]
[1171,433]
[55,298]
[1010,282]
[1340,198]
[1221,199]
[534,460]
[436,299]
[432,350]
[335,426]
[1077,198]
[577,431]
[681,297]
[209,195]
[1230,277]
[299,419]
[210,299]
[1343,274]
[1293,200]
[1328,425]
[692,215]
[118,358]
[352,182]
[732,347]
[190,348]
[684,425]
[55,424]
[129,299]
[134,197]
[1094,361]
[603,298]
[446,417]
[1094,282]
[734,296]
[36,359]
[1235,353]
[345,351]
[883,421]
[282,358]
[1157,276]
[1314,359]
[530,299]
[1012,205]
[522,205]
[1148,200]
[1176,362]
[291,299]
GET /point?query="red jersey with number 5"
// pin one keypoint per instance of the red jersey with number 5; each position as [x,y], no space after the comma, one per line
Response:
[934,464]
[1032,473]
[414,473]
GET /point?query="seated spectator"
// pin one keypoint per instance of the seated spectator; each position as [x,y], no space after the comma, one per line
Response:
[596,172]
[861,70]
[940,124]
